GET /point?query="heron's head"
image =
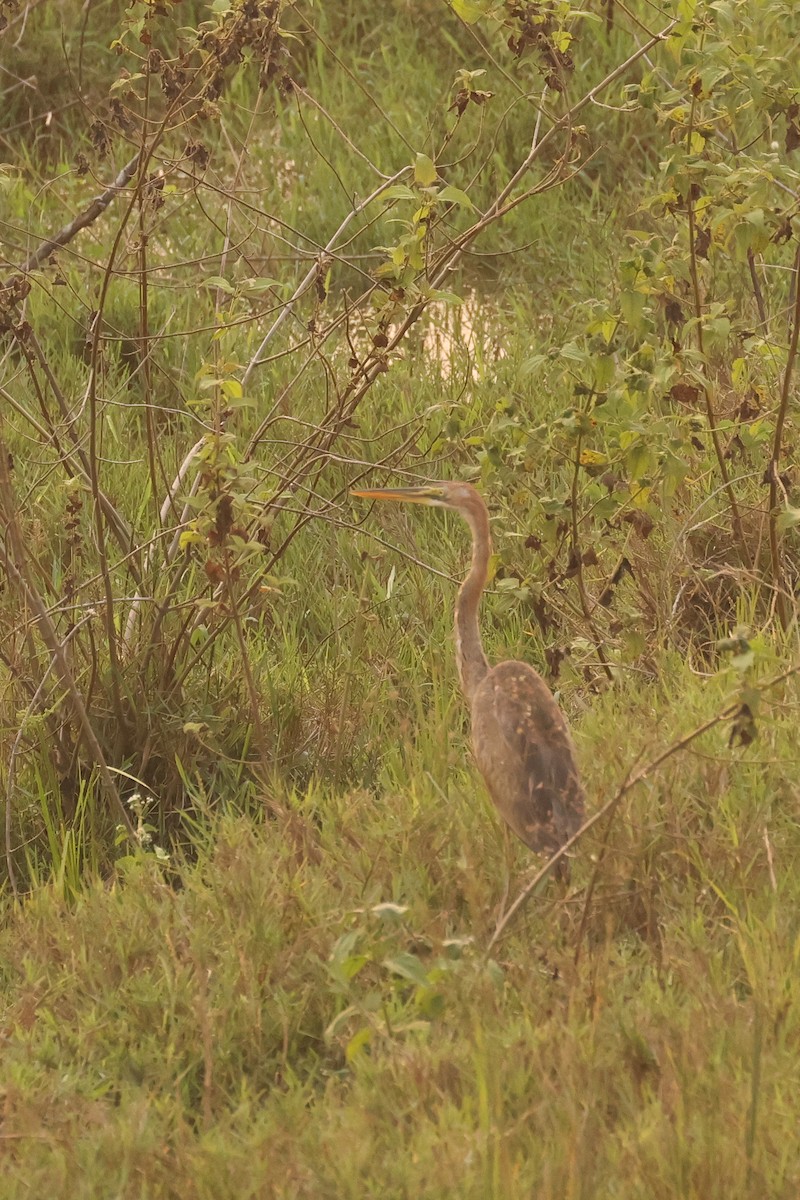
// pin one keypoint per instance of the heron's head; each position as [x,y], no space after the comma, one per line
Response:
[459,496]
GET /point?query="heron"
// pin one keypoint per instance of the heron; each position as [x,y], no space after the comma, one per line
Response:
[520,738]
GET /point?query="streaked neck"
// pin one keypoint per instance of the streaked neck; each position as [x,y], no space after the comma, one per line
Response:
[470,659]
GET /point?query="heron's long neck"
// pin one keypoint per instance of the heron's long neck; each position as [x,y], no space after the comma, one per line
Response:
[470,659]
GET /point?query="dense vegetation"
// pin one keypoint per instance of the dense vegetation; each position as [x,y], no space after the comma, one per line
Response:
[254,254]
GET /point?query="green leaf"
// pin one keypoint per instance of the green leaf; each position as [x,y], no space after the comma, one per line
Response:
[358,1042]
[232,389]
[603,371]
[399,191]
[632,306]
[424,171]
[470,11]
[258,285]
[408,966]
[345,962]
[532,364]
[454,195]
[444,297]
[118,84]
[718,328]
[788,518]
[739,373]
[430,1003]
[190,537]
[638,460]
[216,281]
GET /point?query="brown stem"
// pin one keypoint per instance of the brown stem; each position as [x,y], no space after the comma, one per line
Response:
[711,416]
[144,314]
[578,563]
[116,522]
[775,489]
[252,691]
[94,209]
[757,292]
[15,564]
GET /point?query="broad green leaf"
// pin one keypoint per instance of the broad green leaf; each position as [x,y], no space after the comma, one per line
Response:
[573,352]
[532,364]
[408,966]
[258,285]
[638,460]
[603,371]
[444,297]
[639,495]
[471,11]
[399,191]
[632,305]
[719,328]
[424,171]
[788,518]
[118,84]
[216,281]
[454,195]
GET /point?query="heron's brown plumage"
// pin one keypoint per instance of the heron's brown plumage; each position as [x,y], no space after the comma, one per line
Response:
[521,739]
[525,753]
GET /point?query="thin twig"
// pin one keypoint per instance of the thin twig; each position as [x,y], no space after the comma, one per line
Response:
[774,463]
[757,291]
[577,565]
[310,276]
[93,210]
[711,415]
[15,563]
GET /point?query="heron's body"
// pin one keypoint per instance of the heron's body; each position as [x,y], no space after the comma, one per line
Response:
[525,753]
[520,737]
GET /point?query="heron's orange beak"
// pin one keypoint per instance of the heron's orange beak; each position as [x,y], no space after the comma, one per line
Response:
[412,495]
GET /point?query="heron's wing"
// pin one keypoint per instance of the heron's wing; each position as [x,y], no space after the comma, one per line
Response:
[525,752]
